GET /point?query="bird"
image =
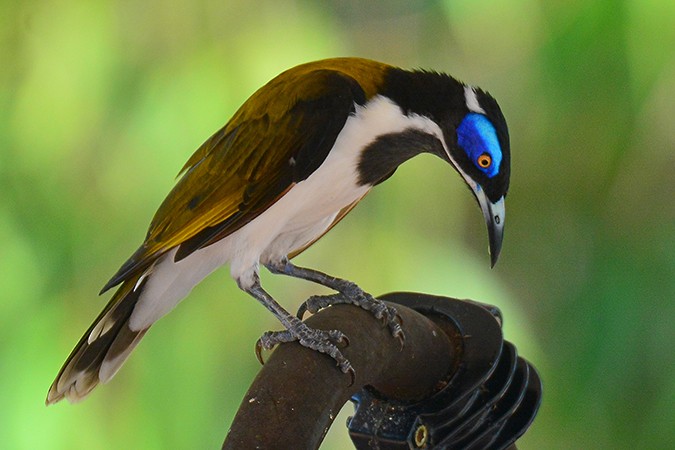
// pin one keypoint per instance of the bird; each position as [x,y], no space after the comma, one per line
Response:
[293,160]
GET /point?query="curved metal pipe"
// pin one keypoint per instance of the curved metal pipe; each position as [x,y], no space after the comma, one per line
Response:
[297,394]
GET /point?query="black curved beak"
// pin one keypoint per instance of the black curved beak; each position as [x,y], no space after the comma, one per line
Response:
[494,219]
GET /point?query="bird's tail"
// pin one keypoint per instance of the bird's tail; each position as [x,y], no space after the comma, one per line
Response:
[103,348]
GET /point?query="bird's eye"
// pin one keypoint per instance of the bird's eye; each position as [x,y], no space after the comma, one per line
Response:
[477,137]
[484,161]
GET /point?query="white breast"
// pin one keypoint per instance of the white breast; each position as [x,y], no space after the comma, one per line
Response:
[298,218]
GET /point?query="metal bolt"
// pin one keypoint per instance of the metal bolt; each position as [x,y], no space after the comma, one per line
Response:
[421,436]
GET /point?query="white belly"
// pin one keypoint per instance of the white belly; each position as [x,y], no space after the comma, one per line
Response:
[296,219]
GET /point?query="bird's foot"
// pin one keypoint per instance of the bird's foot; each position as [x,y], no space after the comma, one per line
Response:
[322,341]
[354,295]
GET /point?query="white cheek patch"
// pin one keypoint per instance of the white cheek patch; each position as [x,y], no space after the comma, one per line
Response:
[472,100]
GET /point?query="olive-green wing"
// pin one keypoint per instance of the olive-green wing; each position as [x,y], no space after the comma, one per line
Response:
[277,138]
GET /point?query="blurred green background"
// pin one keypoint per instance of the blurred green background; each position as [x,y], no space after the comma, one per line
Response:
[102,102]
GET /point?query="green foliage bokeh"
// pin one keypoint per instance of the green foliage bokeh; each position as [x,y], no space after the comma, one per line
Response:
[102,102]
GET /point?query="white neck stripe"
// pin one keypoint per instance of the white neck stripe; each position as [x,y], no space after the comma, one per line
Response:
[472,100]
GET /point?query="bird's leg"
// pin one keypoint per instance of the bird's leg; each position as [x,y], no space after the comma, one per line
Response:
[323,341]
[349,293]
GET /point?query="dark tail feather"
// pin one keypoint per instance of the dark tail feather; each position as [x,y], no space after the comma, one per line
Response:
[103,348]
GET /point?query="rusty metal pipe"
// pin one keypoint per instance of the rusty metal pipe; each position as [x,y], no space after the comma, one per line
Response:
[297,394]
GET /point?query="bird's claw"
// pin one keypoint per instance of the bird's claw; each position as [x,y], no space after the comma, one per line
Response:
[387,315]
[316,303]
[258,352]
[322,341]
[301,310]
[396,330]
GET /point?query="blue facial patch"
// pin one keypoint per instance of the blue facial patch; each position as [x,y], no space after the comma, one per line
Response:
[477,137]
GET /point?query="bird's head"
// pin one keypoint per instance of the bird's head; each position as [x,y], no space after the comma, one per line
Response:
[459,123]
[477,146]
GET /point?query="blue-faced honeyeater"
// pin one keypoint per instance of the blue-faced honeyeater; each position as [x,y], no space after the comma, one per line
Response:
[295,158]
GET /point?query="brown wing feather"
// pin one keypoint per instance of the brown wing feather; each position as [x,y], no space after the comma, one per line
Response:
[246,166]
